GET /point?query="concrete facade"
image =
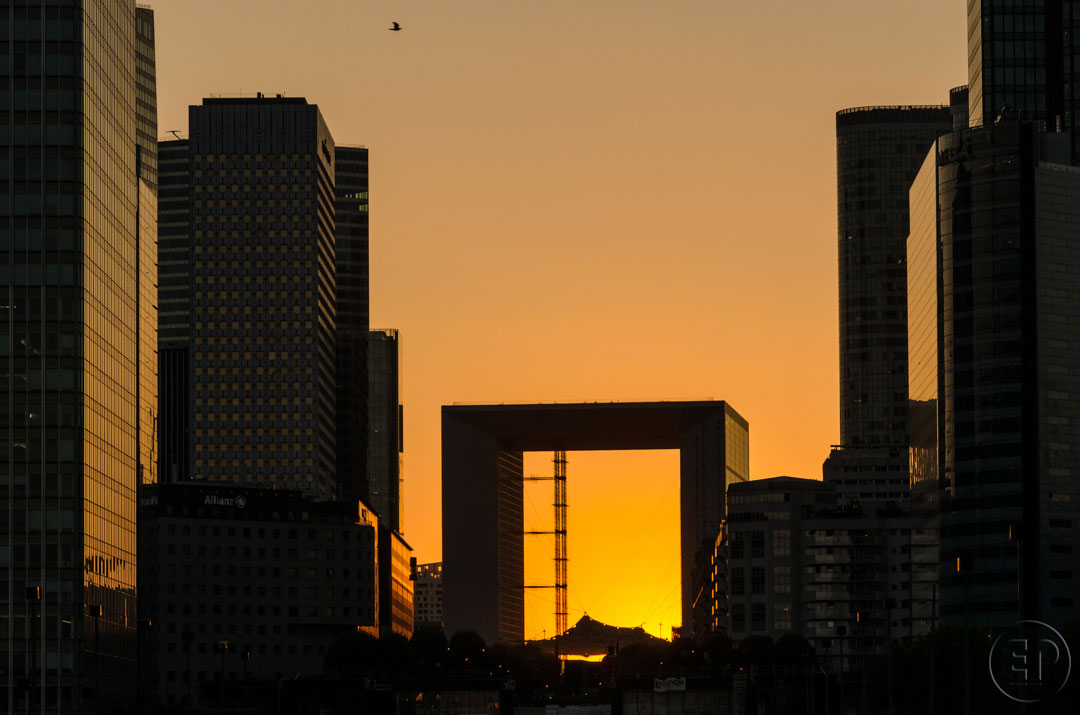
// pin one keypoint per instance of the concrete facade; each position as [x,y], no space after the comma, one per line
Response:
[482,493]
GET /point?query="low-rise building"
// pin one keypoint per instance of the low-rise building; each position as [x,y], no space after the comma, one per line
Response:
[869,578]
[275,576]
[765,553]
[395,584]
[427,595]
[801,558]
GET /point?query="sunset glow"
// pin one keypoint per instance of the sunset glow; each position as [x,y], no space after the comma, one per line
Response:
[590,201]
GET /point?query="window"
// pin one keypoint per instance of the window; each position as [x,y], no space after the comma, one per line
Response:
[757,544]
[757,617]
[781,579]
[736,546]
[757,579]
[781,617]
[782,542]
[738,617]
[738,582]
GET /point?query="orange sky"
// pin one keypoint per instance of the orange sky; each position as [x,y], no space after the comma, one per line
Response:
[591,200]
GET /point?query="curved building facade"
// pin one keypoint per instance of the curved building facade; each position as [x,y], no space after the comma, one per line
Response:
[879,151]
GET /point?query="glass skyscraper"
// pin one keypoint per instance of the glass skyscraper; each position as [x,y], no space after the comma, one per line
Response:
[992,311]
[878,152]
[1023,64]
[994,369]
[76,341]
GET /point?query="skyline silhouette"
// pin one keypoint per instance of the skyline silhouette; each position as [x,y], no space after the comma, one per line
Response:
[596,215]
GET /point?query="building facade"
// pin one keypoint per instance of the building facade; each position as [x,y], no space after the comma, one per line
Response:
[869,579]
[869,475]
[351,316]
[483,523]
[395,584]
[260,303]
[264,341]
[878,152]
[994,345]
[386,445]
[765,553]
[803,559]
[76,229]
[427,596]
[276,576]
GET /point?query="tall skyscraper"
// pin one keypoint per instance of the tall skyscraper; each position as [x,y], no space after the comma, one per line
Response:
[995,336]
[351,256]
[174,304]
[264,377]
[1022,64]
[387,444]
[76,342]
[248,273]
[878,152]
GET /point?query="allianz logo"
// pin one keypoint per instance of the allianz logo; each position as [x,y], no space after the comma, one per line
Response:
[211,500]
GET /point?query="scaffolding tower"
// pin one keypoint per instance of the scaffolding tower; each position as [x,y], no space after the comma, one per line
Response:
[560,542]
[559,531]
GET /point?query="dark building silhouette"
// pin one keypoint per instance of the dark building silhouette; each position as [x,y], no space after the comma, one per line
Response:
[804,559]
[483,566]
[174,311]
[260,277]
[265,245]
[995,368]
[878,152]
[264,394]
[765,551]
[352,318]
[77,234]
[386,444]
[992,313]
[427,596]
[1022,65]
[268,571]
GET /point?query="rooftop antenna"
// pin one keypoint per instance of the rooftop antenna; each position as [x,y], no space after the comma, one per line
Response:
[175,133]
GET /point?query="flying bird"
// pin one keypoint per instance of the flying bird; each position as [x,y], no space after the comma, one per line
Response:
[395,28]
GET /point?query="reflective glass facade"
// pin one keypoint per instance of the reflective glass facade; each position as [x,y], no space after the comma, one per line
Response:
[395,584]
[878,150]
[994,352]
[1014,60]
[923,335]
[76,307]
[985,457]
[1024,63]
